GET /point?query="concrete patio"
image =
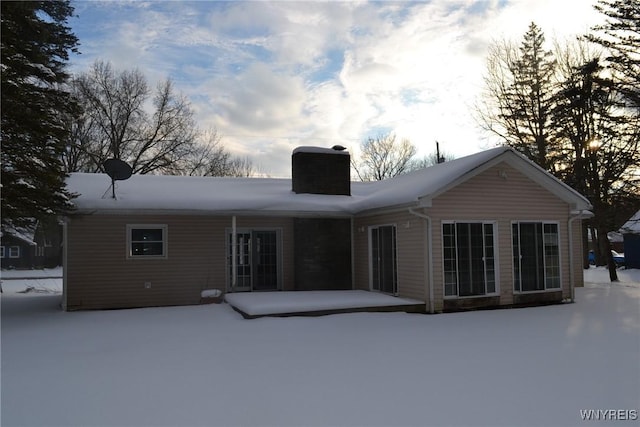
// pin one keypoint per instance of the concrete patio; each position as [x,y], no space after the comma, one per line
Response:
[317,303]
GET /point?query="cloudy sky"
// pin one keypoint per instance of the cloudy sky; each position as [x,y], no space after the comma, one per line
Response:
[270,76]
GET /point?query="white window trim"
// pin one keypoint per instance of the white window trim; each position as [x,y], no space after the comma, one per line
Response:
[496,259]
[11,252]
[165,239]
[2,252]
[546,290]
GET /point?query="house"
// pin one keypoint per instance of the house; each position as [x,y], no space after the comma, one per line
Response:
[630,231]
[36,245]
[18,248]
[490,229]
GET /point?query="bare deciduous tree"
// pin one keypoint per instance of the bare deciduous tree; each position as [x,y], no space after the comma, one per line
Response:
[209,158]
[432,159]
[116,123]
[154,133]
[383,157]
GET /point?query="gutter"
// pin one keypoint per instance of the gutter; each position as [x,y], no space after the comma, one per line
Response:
[582,214]
[431,305]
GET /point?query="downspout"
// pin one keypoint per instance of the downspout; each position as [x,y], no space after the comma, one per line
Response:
[427,219]
[65,264]
[577,215]
[234,253]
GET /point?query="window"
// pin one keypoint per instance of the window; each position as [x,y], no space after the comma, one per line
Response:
[469,259]
[536,256]
[147,241]
[14,251]
[2,255]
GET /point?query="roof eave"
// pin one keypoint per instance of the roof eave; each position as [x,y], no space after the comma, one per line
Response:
[208,212]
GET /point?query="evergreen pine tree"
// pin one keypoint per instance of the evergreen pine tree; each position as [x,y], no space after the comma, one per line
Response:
[35,47]
[517,105]
[621,37]
[531,94]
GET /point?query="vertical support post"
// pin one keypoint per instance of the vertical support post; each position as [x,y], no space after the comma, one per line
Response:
[572,278]
[429,243]
[65,263]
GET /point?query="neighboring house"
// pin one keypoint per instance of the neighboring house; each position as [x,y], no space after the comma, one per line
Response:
[490,229]
[631,234]
[35,246]
[18,248]
[616,241]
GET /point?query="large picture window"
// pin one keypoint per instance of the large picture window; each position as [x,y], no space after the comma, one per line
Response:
[536,256]
[147,241]
[469,259]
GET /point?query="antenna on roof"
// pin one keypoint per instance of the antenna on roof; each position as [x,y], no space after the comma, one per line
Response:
[118,171]
[439,158]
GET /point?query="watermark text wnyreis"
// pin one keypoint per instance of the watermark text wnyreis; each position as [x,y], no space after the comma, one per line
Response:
[609,414]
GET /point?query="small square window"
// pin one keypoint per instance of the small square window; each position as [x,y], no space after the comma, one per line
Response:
[14,252]
[146,241]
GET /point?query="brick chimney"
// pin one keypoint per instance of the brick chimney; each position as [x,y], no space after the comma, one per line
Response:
[317,170]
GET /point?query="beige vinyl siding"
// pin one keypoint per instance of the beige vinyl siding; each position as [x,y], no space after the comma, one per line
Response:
[196,260]
[410,253]
[500,194]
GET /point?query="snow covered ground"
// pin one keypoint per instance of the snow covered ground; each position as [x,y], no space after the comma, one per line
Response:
[206,365]
[44,281]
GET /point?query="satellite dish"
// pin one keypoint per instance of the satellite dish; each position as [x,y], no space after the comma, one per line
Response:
[118,171]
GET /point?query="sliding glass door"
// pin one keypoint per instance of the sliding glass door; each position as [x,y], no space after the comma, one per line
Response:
[257,260]
[384,277]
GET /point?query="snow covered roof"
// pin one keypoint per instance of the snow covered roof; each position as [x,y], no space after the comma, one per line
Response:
[25,233]
[632,226]
[223,195]
[321,150]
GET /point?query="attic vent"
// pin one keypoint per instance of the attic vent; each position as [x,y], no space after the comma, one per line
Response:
[318,170]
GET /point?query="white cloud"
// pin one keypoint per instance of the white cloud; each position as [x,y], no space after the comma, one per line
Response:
[273,75]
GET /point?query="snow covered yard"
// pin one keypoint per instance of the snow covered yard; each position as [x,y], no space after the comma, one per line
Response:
[206,365]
